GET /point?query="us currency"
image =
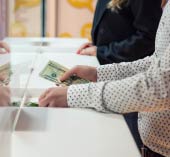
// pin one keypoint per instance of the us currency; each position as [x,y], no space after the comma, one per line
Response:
[28,104]
[53,71]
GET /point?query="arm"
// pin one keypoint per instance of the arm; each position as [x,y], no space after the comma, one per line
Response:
[123,70]
[147,91]
[113,71]
[141,43]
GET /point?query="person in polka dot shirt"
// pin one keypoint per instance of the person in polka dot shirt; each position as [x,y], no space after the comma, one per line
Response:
[141,86]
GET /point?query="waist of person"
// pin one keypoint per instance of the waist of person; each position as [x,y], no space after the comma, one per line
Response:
[146,152]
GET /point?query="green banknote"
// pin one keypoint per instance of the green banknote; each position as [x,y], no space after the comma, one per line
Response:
[53,71]
[28,104]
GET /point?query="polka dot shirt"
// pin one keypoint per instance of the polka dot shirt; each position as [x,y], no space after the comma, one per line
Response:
[142,86]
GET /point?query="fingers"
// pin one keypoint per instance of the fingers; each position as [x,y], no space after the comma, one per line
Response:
[91,51]
[44,102]
[52,104]
[68,74]
[86,51]
[5,46]
[44,98]
[44,94]
[83,47]
[2,52]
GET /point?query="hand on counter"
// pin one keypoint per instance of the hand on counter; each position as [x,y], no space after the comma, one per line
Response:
[4,96]
[4,48]
[57,97]
[54,97]
[87,49]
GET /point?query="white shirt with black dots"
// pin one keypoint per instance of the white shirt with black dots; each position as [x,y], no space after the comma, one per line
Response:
[142,86]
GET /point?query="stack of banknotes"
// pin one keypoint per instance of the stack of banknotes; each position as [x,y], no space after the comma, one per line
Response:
[53,71]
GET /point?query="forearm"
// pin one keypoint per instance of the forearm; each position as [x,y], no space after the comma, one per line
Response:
[144,92]
[141,93]
[120,71]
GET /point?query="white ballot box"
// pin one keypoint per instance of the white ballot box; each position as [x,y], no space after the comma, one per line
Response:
[56,132]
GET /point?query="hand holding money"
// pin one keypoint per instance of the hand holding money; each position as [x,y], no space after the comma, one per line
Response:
[85,72]
[54,71]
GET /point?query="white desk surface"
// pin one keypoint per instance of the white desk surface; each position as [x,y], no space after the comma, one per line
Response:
[21,63]
[43,132]
[71,133]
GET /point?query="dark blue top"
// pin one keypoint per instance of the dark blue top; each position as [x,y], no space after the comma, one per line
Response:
[127,34]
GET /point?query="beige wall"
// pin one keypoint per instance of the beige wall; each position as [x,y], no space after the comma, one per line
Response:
[24,18]
[75,17]
[64,18]
[51,18]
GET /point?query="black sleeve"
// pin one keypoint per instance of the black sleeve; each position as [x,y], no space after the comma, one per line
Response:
[147,14]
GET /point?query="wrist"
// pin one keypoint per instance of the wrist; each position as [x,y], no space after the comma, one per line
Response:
[94,74]
[65,104]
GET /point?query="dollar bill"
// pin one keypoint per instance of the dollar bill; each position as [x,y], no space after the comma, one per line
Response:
[53,71]
[28,104]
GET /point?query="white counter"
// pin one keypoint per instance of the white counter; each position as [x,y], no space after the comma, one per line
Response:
[71,133]
[55,132]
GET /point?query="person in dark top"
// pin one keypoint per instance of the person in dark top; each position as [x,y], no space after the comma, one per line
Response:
[124,31]
[123,34]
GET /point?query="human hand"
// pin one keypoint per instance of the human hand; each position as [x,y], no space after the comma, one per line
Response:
[89,44]
[163,3]
[85,72]
[54,97]
[4,96]
[90,51]
[4,48]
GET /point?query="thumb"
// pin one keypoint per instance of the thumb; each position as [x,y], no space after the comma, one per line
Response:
[67,75]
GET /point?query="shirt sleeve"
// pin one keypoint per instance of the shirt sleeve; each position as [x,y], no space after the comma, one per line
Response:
[120,71]
[143,92]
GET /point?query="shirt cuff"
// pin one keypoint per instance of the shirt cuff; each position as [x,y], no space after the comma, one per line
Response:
[86,96]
